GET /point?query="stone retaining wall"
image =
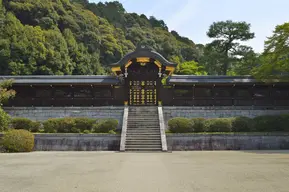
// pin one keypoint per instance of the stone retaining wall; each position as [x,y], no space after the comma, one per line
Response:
[252,141]
[217,112]
[44,113]
[76,142]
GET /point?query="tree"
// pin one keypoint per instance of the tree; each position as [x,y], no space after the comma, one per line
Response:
[190,68]
[226,35]
[245,62]
[5,92]
[212,60]
[77,37]
[275,59]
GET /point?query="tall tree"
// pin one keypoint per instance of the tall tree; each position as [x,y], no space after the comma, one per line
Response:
[275,59]
[226,35]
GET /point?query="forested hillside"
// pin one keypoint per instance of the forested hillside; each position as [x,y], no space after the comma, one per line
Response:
[65,37]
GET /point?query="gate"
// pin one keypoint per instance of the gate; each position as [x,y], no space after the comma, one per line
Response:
[142,93]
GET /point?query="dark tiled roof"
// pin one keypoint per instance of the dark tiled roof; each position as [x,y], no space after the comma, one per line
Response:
[66,79]
[193,79]
[144,52]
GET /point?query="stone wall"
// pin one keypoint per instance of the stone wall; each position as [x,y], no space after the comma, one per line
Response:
[44,113]
[76,142]
[217,112]
[179,142]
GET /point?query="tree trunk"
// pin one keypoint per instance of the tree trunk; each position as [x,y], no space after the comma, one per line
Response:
[226,63]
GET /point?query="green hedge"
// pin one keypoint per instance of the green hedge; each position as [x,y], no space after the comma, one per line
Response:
[79,125]
[273,123]
[17,141]
[180,125]
[27,124]
[105,126]
[218,125]
[198,124]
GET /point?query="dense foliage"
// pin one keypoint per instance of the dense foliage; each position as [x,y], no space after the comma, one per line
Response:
[77,37]
[274,123]
[4,120]
[17,141]
[275,59]
[5,92]
[65,37]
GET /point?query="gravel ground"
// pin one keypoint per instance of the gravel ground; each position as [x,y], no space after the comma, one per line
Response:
[218,171]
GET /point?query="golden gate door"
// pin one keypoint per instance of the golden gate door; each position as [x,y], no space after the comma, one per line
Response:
[142,93]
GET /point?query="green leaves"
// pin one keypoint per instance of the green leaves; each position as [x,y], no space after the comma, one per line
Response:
[226,33]
[190,68]
[5,92]
[275,59]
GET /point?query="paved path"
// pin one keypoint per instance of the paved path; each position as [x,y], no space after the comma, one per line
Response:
[219,171]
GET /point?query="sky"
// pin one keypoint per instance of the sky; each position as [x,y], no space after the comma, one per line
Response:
[192,18]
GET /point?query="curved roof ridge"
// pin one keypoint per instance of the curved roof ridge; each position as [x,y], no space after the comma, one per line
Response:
[144,52]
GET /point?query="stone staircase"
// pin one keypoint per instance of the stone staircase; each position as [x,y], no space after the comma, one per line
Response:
[143,129]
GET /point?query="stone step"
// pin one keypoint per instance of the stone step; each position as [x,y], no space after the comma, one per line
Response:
[143,142]
[132,126]
[143,139]
[143,130]
[139,135]
[148,126]
[129,132]
[143,146]
[144,122]
[137,145]
[142,110]
[143,118]
[143,150]
[144,133]
[145,113]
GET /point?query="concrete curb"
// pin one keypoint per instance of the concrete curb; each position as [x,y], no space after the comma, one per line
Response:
[162,129]
[124,129]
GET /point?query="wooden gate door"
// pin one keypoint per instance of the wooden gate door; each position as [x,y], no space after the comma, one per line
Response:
[142,93]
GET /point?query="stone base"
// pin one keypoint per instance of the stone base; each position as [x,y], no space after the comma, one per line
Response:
[249,141]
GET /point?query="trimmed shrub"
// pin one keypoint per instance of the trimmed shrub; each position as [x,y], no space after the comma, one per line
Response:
[86,132]
[27,124]
[112,132]
[272,123]
[83,123]
[242,124]
[104,126]
[4,120]
[180,125]
[219,125]
[198,124]
[61,125]
[79,125]
[18,141]
[284,123]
